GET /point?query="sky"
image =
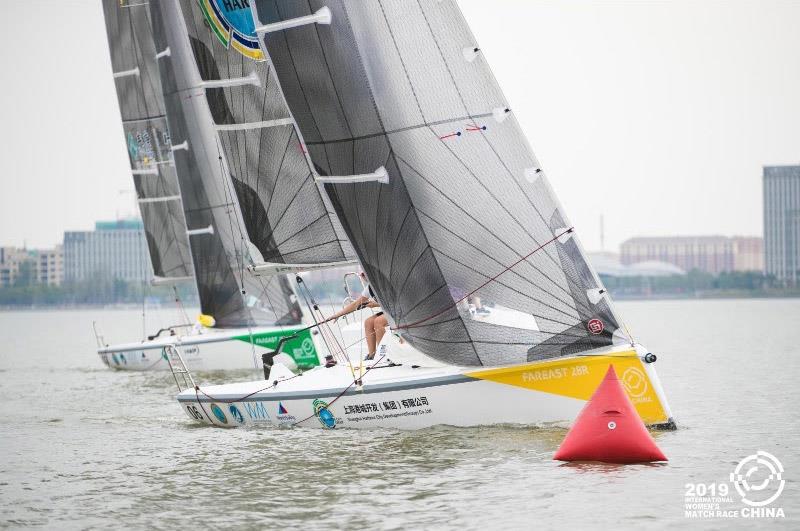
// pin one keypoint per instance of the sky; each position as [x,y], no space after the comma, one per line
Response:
[657,116]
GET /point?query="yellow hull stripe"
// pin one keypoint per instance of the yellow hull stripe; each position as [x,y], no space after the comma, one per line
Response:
[579,377]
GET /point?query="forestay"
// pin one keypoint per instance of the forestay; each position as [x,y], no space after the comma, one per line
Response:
[466,246]
[282,207]
[220,246]
[147,136]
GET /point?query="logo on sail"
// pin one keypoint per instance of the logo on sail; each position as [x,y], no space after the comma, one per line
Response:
[595,326]
[324,415]
[232,23]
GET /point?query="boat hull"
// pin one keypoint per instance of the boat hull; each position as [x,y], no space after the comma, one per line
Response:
[549,392]
[230,349]
[220,355]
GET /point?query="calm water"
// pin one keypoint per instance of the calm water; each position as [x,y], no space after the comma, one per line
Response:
[84,446]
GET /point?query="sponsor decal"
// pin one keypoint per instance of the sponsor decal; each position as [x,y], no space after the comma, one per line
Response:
[236,414]
[595,326]
[283,416]
[232,23]
[387,409]
[257,411]
[308,347]
[301,349]
[114,359]
[133,147]
[217,411]
[757,479]
[635,382]
[324,415]
[148,142]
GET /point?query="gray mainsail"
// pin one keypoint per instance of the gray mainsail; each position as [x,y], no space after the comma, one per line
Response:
[283,210]
[466,247]
[220,247]
[147,137]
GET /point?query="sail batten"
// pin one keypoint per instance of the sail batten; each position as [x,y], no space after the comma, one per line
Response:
[465,245]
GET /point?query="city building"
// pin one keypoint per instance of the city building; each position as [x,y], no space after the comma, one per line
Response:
[11,258]
[115,249]
[44,266]
[50,265]
[782,222]
[608,265]
[712,254]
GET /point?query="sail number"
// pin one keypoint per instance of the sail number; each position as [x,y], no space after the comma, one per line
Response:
[194,413]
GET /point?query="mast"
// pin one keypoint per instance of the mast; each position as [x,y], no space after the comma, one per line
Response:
[147,138]
[465,244]
[220,246]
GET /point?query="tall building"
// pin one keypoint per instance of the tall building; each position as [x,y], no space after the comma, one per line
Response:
[712,254]
[782,222]
[44,266]
[115,249]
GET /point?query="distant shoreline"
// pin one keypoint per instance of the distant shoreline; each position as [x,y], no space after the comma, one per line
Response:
[707,295]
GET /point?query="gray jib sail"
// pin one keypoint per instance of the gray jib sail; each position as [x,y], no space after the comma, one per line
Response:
[219,244]
[147,138]
[281,204]
[401,84]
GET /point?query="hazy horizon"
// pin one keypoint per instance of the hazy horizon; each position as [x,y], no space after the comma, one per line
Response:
[658,115]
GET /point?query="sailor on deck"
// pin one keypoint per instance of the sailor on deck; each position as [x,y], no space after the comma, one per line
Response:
[374,325]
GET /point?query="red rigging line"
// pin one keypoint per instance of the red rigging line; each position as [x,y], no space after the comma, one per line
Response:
[473,127]
[492,279]
[455,133]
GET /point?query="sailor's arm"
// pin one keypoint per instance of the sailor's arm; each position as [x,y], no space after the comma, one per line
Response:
[357,304]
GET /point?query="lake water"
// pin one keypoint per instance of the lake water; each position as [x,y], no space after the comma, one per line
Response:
[85,446]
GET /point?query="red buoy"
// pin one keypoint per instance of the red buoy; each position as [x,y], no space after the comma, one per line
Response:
[609,429]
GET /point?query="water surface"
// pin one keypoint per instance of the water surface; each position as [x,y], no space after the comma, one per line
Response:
[85,446]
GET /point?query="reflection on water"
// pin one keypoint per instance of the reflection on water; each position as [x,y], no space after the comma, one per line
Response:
[85,446]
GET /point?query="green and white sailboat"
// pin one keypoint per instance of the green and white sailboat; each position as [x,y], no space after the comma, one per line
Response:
[224,190]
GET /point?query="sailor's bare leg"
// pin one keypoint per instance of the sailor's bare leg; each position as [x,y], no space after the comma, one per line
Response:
[369,332]
[380,328]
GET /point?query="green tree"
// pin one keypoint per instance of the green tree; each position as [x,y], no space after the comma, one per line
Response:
[26,276]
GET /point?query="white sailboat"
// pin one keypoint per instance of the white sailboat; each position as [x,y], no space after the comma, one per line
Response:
[205,161]
[495,315]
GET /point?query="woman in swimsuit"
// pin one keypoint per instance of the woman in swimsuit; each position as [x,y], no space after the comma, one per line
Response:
[374,325]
